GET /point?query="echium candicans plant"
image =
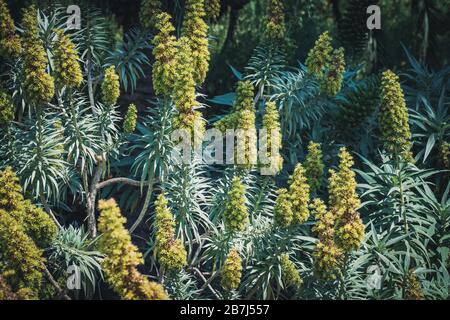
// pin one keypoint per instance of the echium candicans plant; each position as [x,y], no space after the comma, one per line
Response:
[184,93]
[122,257]
[65,57]
[196,31]
[39,86]
[273,144]
[10,44]
[164,51]
[170,251]
[148,13]
[344,203]
[393,118]
[212,9]
[275,26]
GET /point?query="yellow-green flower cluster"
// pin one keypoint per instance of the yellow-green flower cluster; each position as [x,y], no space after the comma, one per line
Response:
[314,166]
[21,258]
[244,101]
[196,30]
[39,86]
[6,109]
[6,292]
[36,223]
[393,118]
[235,212]
[129,123]
[244,96]
[299,193]
[331,84]
[122,257]
[65,57]
[327,256]
[275,27]
[319,56]
[171,252]
[164,50]
[110,86]
[283,215]
[184,93]
[231,271]
[246,134]
[212,9]
[184,87]
[444,151]
[24,230]
[271,123]
[148,15]
[289,271]
[10,45]
[413,288]
[227,122]
[344,203]
[193,123]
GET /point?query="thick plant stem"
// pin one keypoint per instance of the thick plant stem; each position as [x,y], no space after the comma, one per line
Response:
[48,210]
[91,198]
[52,280]
[148,197]
[123,180]
[401,193]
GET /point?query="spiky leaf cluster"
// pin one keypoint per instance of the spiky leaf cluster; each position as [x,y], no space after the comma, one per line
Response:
[6,109]
[110,86]
[327,255]
[129,123]
[290,273]
[65,57]
[164,50]
[10,45]
[196,30]
[314,166]
[393,117]
[38,85]
[344,203]
[299,193]
[148,14]
[171,252]
[319,56]
[236,212]
[331,84]
[231,271]
[275,26]
[122,257]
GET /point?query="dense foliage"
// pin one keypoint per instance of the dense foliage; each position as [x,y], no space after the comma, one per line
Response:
[354,204]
